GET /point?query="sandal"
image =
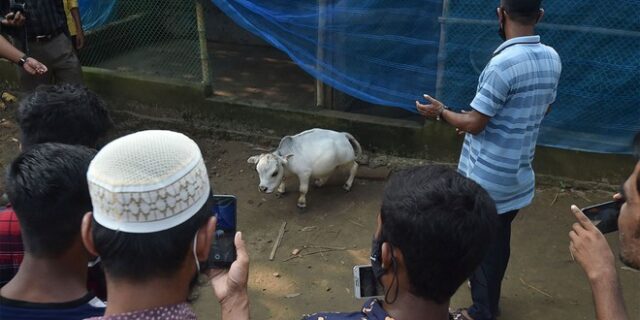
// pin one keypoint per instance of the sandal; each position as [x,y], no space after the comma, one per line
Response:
[460,314]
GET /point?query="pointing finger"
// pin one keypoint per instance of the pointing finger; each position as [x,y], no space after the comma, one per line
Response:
[582,219]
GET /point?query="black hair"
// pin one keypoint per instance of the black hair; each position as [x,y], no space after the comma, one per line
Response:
[442,222]
[138,257]
[47,186]
[70,114]
[523,11]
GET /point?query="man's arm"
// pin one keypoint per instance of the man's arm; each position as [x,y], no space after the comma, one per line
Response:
[473,122]
[230,287]
[590,249]
[14,55]
[8,51]
[75,13]
[607,295]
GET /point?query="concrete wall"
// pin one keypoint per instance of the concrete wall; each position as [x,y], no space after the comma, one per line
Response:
[184,103]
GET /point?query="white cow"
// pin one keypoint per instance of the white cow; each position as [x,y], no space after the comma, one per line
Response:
[314,153]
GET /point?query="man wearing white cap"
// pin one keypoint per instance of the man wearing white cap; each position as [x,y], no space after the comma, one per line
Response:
[152,225]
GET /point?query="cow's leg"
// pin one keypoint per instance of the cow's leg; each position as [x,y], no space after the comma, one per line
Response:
[352,176]
[304,188]
[282,188]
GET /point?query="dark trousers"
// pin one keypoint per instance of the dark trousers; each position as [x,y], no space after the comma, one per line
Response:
[59,55]
[487,279]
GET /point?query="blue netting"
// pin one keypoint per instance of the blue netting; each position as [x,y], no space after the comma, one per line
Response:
[386,52]
[95,13]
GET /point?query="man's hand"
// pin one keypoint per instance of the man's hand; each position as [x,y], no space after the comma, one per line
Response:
[13,19]
[79,40]
[34,67]
[230,287]
[590,249]
[432,110]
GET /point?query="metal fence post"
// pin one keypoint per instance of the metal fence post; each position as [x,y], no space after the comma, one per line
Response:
[442,52]
[204,55]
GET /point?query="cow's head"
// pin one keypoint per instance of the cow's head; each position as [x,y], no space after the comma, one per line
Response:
[270,167]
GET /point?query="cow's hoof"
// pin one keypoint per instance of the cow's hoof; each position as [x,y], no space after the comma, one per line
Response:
[302,206]
[346,187]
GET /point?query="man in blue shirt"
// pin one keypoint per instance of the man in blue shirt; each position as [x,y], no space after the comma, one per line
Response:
[515,91]
[434,228]
[47,186]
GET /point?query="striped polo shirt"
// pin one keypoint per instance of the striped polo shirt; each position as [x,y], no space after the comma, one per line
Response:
[515,89]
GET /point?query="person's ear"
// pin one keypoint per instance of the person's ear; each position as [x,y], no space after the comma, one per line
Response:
[86,231]
[205,235]
[500,14]
[540,15]
[387,256]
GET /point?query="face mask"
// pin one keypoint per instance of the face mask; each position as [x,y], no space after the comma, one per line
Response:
[195,255]
[376,257]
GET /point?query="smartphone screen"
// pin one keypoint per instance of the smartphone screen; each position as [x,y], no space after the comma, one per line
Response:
[604,215]
[366,284]
[223,250]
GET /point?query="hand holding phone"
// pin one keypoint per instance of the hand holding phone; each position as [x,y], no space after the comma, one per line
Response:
[605,215]
[230,286]
[223,249]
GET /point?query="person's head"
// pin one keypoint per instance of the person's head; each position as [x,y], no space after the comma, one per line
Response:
[69,114]
[47,186]
[518,12]
[629,219]
[434,228]
[151,208]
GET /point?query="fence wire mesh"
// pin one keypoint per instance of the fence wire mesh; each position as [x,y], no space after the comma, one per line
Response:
[147,37]
[599,43]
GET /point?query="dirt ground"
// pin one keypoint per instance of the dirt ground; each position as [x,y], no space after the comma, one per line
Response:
[541,283]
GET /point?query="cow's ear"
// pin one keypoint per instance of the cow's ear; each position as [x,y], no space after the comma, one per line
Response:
[286,158]
[254,159]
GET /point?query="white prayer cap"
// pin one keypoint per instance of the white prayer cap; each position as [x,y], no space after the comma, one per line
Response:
[147,181]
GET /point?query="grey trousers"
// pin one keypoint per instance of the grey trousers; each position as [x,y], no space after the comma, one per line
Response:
[59,57]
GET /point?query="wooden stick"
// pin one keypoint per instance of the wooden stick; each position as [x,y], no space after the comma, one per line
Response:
[536,289]
[357,224]
[278,240]
[312,253]
[323,247]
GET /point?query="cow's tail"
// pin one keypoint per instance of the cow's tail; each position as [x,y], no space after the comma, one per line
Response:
[355,144]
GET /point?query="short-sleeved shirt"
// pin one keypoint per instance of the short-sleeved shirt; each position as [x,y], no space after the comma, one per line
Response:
[85,307]
[371,310]
[515,91]
[11,248]
[180,311]
[68,5]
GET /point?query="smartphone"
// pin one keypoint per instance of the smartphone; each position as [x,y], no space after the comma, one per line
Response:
[604,215]
[223,249]
[365,283]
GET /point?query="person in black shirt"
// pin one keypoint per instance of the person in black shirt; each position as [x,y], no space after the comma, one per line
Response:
[40,29]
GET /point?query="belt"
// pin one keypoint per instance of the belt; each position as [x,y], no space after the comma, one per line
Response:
[45,37]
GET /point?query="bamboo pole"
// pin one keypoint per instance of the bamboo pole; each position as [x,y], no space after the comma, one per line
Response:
[322,23]
[204,55]
[442,52]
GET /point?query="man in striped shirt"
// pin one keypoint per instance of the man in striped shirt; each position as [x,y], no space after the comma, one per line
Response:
[515,91]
